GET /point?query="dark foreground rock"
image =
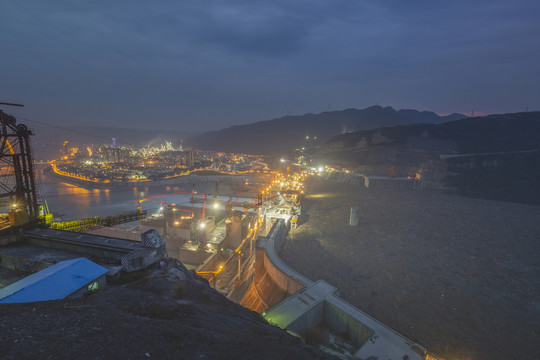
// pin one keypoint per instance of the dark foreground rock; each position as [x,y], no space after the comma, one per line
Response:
[167,313]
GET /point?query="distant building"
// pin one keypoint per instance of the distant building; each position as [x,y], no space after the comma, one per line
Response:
[66,279]
[115,154]
[188,158]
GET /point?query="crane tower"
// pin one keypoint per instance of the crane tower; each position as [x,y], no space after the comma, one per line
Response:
[17,178]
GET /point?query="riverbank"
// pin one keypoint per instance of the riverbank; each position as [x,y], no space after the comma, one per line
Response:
[188,178]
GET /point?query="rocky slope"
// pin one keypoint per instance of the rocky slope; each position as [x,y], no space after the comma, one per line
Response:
[167,312]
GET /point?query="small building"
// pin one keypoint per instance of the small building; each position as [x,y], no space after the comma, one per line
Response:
[66,279]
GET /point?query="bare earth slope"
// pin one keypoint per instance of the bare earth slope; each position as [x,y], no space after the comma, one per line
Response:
[458,275]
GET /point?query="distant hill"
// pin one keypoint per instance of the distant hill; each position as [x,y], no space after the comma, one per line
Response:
[281,135]
[492,133]
[495,156]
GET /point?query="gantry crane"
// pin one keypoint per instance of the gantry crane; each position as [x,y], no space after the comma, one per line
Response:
[17,178]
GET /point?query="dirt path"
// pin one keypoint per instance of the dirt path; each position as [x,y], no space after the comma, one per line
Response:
[460,276]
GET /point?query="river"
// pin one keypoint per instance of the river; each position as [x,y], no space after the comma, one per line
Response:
[74,202]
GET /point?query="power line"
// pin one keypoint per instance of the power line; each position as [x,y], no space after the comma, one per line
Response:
[68,129]
[11,104]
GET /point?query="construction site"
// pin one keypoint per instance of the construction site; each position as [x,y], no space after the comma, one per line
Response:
[205,232]
[229,232]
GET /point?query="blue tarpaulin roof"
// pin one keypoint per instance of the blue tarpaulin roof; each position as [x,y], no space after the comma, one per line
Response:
[53,283]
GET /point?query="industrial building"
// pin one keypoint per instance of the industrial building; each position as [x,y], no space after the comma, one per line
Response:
[66,279]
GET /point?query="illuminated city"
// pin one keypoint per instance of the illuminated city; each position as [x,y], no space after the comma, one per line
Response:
[111,164]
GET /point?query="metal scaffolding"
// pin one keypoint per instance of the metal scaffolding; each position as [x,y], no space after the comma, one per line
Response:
[17,178]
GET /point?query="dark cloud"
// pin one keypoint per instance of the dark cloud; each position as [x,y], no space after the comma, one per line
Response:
[202,65]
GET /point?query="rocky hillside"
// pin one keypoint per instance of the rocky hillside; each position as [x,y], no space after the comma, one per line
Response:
[492,133]
[165,313]
[287,133]
[495,156]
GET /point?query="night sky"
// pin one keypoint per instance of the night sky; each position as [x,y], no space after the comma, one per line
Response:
[203,65]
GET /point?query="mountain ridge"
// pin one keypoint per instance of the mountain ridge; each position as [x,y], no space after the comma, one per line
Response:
[289,132]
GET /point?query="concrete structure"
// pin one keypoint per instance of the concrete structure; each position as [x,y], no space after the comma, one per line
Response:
[274,280]
[284,212]
[128,231]
[38,248]
[233,230]
[192,257]
[209,226]
[353,217]
[385,182]
[305,304]
[70,278]
[238,226]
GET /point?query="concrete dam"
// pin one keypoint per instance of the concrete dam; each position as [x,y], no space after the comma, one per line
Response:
[293,302]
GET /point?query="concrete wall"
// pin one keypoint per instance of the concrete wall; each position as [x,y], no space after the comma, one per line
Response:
[117,233]
[141,259]
[329,310]
[234,231]
[179,232]
[76,248]
[344,323]
[278,234]
[268,271]
[264,266]
[353,217]
[192,257]
[309,319]
[389,183]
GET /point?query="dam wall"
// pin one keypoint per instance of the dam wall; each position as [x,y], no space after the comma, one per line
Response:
[271,273]
[270,278]
[380,182]
[293,302]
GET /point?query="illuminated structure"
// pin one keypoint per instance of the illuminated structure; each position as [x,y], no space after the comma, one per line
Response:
[17,181]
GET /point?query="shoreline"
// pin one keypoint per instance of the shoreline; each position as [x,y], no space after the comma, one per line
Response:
[177,180]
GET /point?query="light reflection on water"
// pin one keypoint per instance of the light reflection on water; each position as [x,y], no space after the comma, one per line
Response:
[75,202]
